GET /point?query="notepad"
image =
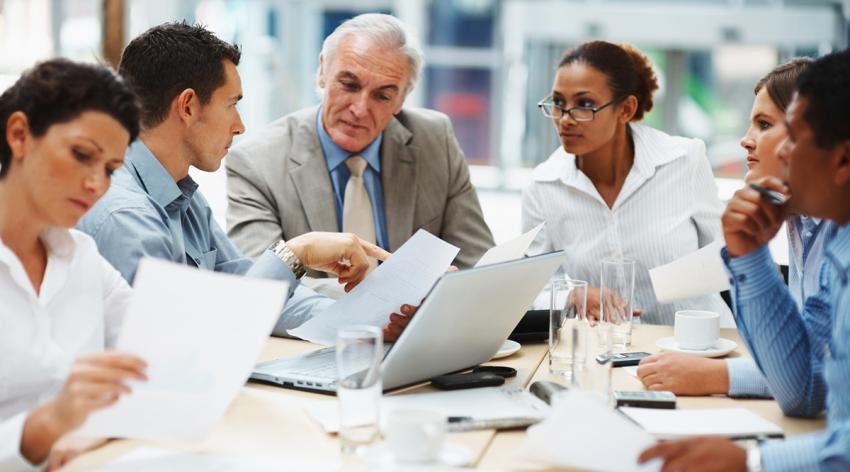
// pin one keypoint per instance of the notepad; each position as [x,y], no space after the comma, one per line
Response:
[734,423]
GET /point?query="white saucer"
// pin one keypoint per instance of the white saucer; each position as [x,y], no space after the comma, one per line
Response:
[721,348]
[508,347]
[381,458]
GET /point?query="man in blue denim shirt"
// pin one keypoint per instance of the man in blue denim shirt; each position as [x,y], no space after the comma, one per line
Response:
[805,358]
[188,85]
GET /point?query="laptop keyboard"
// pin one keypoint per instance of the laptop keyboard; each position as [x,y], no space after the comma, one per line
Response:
[319,364]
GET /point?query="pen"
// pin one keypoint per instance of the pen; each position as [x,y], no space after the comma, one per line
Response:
[465,423]
[772,195]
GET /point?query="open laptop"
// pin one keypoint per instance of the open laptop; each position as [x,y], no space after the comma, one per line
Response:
[462,323]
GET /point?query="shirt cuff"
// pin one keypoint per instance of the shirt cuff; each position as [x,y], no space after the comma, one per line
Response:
[799,453]
[269,266]
[751,275]
[745,379]
[10,445]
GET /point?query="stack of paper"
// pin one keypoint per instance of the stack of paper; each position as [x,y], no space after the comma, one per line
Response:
[586,434]
[727,422]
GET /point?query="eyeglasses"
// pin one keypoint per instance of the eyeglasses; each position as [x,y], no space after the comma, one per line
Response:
[580,114]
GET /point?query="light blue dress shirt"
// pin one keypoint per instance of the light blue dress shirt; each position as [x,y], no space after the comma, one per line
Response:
[335,158]
[807,239]
[805,357]
[146,213]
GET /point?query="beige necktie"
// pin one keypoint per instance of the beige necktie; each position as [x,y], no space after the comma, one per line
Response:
[357,215]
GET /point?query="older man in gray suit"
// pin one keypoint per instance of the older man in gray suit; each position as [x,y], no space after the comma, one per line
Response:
[359,162]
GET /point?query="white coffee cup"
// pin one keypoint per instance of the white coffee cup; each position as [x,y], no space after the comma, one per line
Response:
[415,435]
[696,329]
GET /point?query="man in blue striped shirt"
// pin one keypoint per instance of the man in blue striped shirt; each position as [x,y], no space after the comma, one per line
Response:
[805,357]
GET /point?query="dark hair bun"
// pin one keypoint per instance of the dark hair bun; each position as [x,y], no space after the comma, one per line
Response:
[629,71]
[647,81]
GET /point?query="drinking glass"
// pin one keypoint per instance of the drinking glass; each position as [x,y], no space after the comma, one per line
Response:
[616,290]
[567,326]
[359,350]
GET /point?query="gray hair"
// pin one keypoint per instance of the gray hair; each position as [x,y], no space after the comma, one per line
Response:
[384,30]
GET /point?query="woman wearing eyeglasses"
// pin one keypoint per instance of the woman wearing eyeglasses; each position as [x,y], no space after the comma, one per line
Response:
[65,129]
[618,188]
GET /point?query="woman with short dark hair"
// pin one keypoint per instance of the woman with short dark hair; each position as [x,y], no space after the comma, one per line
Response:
[65,129]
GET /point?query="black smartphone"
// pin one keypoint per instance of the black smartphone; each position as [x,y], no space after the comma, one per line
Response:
[622,359]
[468,380]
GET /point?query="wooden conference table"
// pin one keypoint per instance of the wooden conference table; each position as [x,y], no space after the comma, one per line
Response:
[268,420]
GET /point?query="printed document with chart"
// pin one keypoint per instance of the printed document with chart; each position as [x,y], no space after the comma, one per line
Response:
[200,333]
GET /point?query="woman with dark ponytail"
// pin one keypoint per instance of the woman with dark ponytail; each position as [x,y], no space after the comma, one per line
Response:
[617,188]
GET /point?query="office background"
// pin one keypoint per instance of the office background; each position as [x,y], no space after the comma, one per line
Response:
[488,62]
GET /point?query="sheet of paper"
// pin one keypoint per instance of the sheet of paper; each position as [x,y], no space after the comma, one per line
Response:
[631,370]
[728,422]
[584,433]
[406,277]
[698,273]
[163,460]
[200,333]
[478,403]
[513,249]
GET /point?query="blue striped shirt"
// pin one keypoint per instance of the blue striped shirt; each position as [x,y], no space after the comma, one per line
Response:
[807,239]
[803,357]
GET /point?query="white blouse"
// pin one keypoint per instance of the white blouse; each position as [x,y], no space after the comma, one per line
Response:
[668,207]
[78,311]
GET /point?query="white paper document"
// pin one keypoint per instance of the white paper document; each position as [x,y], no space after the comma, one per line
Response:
[404,278]
[163,460]
[510,250]
[584,433]
[698,273]
[727,422]
[475,403]
[200,333]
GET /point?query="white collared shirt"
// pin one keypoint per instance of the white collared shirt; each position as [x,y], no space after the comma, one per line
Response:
[668,207]
[77,311]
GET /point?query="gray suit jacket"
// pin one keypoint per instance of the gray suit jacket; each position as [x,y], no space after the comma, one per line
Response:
[278,185]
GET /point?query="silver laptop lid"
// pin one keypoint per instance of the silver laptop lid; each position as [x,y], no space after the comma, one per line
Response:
[466,318]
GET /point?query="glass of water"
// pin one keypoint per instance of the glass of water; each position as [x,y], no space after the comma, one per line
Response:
[567,327]
[359,350]
[616,292]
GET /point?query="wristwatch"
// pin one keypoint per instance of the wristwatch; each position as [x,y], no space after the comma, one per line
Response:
[282,251]
[754,457]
